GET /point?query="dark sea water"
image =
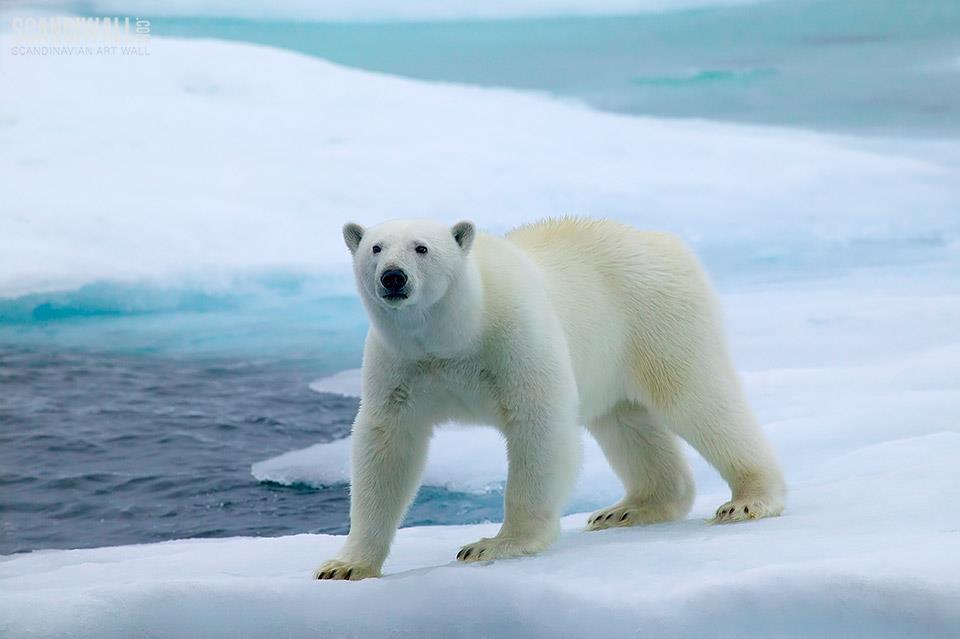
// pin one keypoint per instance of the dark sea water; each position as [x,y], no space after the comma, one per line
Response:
[104,448]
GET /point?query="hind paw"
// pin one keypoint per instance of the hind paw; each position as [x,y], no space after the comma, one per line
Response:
[747,508]
[623,515]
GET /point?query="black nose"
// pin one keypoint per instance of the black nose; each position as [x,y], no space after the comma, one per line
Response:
[393,279]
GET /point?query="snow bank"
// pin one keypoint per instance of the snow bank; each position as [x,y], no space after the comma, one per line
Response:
[346,383]
[461,459]
[385,10]
[208,160]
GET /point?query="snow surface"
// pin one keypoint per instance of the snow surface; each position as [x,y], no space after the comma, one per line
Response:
[205,160]
[115,166]
[346,383]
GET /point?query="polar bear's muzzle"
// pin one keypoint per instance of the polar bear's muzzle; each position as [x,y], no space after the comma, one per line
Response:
[393,284]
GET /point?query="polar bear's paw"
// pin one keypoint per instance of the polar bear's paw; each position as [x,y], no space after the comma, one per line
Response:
[490,548]
[622,515]
[746,509]
[344,570]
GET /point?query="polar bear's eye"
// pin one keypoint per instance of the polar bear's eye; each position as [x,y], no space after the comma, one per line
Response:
[376,248]
[421,250]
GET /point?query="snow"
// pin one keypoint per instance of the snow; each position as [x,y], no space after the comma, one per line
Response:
[854,371]
[114,169]
[346,383]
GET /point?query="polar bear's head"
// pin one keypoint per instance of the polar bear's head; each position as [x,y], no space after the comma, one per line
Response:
[408,263]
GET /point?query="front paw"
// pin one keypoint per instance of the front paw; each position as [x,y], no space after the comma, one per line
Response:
[344,570]
[488,549]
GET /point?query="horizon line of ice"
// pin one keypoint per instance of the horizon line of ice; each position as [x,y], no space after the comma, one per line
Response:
[386,11]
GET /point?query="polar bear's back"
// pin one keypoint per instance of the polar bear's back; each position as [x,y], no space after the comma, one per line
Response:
[638,267]
[634,304]
[605,244]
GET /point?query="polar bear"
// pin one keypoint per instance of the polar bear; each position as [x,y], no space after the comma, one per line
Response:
[560,323]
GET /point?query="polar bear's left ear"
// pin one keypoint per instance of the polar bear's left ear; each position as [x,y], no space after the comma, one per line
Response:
[463,233]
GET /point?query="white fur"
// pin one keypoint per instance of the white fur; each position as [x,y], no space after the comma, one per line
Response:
[560,323]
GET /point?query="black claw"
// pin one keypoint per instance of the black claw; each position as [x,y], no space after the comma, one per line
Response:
[323,575]
[468,553]
[746,509]
[460,554]
[608,517]
[349,572]
[624,516]
[480,554]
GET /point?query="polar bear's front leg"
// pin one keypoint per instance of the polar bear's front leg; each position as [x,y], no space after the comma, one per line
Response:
[543,453]
[388,457]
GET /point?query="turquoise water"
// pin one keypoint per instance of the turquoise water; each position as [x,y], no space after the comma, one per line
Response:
[290,318]
[877,67]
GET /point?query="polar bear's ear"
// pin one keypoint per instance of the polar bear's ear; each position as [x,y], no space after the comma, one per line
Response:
[463,233]
[352,234]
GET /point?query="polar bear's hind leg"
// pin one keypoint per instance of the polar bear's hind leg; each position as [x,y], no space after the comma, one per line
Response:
[649,462]
[713,416]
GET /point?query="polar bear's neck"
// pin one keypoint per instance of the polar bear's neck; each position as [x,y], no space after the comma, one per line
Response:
[448,328]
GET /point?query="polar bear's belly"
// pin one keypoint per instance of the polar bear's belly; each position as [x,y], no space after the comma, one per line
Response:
[598,345]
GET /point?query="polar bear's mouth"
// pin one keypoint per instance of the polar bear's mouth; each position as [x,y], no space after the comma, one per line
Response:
[398,295]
